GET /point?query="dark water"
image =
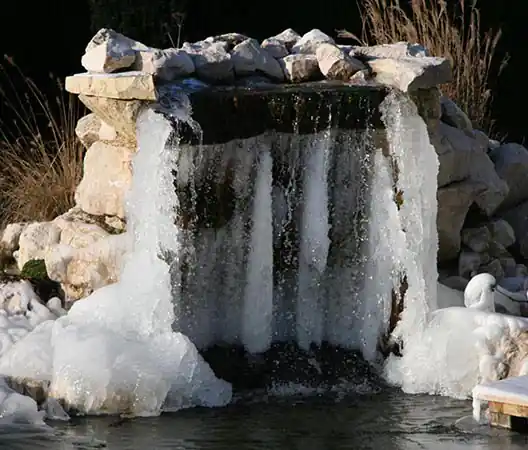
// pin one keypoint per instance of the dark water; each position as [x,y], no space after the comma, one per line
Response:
[383,421]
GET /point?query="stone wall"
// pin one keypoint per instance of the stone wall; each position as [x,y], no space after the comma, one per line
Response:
[482,194]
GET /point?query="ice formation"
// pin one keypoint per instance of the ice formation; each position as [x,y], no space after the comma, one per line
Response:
[115,351]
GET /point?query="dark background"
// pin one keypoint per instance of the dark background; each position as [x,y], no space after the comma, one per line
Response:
[49,36]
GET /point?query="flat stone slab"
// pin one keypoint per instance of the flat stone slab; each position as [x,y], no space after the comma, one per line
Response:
[507,400]
[232,113]
[122,86]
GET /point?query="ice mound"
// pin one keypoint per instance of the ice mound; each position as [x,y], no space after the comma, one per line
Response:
[115,351]
[16,408]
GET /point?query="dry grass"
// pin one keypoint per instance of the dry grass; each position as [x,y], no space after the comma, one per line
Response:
[452,31]
[40,156]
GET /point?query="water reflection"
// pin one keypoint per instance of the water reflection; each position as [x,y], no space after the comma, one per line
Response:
[385,421]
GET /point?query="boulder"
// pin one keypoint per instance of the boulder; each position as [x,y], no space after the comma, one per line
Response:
[109,35]
[249,57]
[35,241]
[212,61]
[123,86]
[91,128]
[511,164]
[477,239]
[288,37]
[453,205]
[166,65]
[502,232]
[11,236]
[229,40]
[335,64]
[299,68]
[517,217]
[396,50]
[410,74]
[309,42]
[121,115]
[454,116]
[275,48]
[454,150]
[106,179]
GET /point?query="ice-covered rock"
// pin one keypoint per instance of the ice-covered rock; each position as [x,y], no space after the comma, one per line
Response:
[275,48]
[212,61]
[309,42]
[288,37]
[335,64]
[35,241]
[300,67]
[18,409]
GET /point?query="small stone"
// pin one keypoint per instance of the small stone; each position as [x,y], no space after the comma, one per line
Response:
[275,48]
[335,64]
[477,239]
[288,37]
[123,86]
[310,41]
[11,236]
[212,62]
[502,232]
[362,78]
[249,56]
[493,268]
[454,116]
[410,74]
[468,263]
[301,67]
[167,65]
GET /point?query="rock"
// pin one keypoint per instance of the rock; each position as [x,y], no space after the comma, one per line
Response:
[81,271]
[79,234]
[394,51]
[517,218]
[11,236]
[511,164]
[521,271]
[454,150]
[123,86]
[211,60]
[477,239]
[455,282]
[494,268]
[167,65]
[121,115]
[109,35]
[410,74]
[502,232]
[468,263]
[495,189]
[275,48]
[483,142]
[453,205]
[35,241]
[254,81]
[310,41]
[106,179]
[335,64]
[509,266]
[228,39]
[108,57]
[249,56]
[454,116]
[362,78]
[288,37]
[427,102]
[91,128]
[299,68]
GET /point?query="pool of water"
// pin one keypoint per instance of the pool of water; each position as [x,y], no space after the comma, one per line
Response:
[382,421]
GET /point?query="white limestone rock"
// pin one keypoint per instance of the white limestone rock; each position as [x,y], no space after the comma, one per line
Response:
[106,179]
[511,164]
[275,48]
[109,51]
[168,64]
[91,128]
[309,42]
[396,50]
[249,57]
[411,73]
[301,67]
[335,64]
[211,60]
[35,241]
[454,116]
[288,37]
[11,236]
